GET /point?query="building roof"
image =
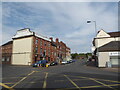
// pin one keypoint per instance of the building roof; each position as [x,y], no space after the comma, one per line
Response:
[112,46]
[114,34]
[26,32]
[43,37]
[9,42]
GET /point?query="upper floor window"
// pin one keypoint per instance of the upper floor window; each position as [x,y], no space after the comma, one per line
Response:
[36,49]
[48,52]
[41,42]
[48,44]
[45,44]
[40,50]
[36,42]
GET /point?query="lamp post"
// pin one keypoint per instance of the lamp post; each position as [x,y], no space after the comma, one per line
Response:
[96,58]
[95,25]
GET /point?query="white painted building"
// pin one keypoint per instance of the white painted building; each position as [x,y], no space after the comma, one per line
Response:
[23,49]
[105,45]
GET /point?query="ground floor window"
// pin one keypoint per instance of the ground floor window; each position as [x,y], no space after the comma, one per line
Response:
[8,59]
[114,60]
[3,59]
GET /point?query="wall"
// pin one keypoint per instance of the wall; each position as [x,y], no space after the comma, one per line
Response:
[102,41]
[22,51]
[6,53]
[103,57]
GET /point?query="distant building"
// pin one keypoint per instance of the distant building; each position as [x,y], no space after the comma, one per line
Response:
[106,46]
[28,48]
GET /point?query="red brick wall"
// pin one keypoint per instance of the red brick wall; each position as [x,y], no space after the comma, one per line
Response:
[6,53]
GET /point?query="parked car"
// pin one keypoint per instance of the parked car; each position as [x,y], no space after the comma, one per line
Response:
[53,63]
[73,60]
[70,61]
[64,62]
[37,64]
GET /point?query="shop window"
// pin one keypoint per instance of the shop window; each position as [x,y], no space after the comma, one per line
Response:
[3,59]
[8,59]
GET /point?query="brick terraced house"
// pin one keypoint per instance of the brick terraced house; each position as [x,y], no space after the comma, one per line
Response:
[29,47]
[6,52]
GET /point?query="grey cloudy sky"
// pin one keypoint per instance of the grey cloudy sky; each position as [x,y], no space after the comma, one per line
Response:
[64,20]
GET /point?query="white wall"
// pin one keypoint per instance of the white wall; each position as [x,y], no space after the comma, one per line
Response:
[22,51]
[102,41]
[103,57]
[103,38]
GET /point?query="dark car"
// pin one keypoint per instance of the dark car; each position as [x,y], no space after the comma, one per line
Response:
[73,60]
[53,63]
[37,64]
[70,61]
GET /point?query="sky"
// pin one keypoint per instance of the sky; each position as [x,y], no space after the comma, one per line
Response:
[64,20]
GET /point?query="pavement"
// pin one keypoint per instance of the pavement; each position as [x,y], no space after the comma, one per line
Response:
[73,76]
[112,69]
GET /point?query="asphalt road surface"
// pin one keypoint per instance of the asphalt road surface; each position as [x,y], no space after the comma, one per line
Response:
[70,77]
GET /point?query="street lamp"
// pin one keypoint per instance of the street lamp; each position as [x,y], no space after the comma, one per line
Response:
[96,47]
[95,25]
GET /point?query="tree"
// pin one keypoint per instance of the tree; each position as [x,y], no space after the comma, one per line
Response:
[74,55]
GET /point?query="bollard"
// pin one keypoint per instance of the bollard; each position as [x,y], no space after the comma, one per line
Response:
[47,66]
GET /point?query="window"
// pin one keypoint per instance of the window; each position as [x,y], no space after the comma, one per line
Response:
[36,49]
[3,59]
[48,44]
[44,54]
[36,42]
[45,44]
[54,54]
[48,52]
[8,59]
[40,50]
[41,42]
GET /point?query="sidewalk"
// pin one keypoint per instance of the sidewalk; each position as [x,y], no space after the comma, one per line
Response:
[105,69]
[111,69]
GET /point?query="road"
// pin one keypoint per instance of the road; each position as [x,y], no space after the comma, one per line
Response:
[70,76]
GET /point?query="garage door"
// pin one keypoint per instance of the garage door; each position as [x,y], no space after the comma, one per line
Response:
[115,61]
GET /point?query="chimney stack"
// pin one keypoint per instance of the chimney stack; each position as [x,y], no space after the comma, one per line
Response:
[57,40]
[51,38]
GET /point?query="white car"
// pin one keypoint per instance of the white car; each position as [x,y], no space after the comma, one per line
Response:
[63,62]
